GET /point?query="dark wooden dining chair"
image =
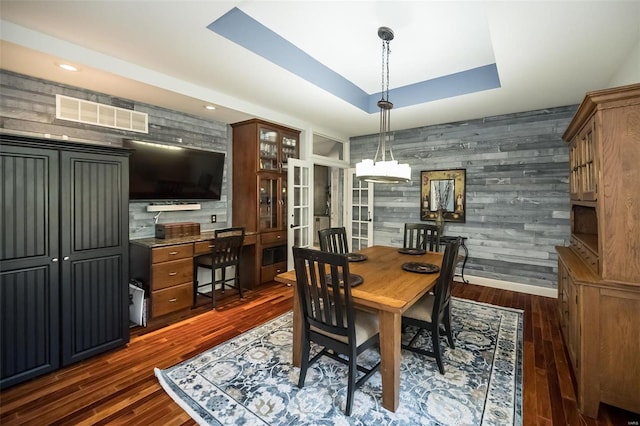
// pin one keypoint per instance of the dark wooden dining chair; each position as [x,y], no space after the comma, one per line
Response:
[434,310]
[334,240]
[226,249]
[329,317]
[421,236]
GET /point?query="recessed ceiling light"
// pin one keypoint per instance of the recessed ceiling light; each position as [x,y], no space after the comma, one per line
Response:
[68,67]
[210,107]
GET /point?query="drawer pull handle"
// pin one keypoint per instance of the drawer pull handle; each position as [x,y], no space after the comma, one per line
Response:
[278,236]
[173,253]
[173,300]
[171,274]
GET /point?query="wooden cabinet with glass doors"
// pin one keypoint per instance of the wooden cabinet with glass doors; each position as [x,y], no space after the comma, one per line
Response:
[599,273]
[261,152]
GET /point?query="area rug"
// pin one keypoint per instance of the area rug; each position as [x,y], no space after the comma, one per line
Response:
[250,380]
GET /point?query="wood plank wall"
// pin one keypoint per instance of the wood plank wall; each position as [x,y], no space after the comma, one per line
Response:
[29,104]
[517,198]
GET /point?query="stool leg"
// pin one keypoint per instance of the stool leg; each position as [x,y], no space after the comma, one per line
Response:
[237,279]
[213,288]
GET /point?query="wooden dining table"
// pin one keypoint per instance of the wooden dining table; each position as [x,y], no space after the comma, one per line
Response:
[388,290]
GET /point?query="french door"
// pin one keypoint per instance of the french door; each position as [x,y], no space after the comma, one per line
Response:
[299,202]
[360,215]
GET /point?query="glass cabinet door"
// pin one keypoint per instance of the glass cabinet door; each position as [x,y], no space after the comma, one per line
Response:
[289,149]
[269,203]
[268,149]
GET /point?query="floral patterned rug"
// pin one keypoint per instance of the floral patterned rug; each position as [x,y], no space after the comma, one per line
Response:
[249,380]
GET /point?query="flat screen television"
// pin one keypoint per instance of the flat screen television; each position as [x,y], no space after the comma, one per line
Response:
[169,173]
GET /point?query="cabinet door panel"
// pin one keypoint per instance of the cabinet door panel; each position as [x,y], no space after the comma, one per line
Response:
[93,311]
[268,149]
[29,213]
[269,202]
[29,339]
[95,201]
[29,328]
[94,232]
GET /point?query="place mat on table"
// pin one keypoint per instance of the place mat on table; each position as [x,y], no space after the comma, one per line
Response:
[420,267]
[356,257]
[354,279]
[413,251]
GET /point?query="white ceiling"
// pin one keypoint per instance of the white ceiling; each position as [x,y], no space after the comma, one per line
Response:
[161,52]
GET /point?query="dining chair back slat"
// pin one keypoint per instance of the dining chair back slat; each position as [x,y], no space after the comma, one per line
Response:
[421,236]
[334,240]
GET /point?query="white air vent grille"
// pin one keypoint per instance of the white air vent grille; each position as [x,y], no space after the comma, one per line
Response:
[88,112]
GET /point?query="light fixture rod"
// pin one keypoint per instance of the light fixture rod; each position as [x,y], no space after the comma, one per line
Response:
[386,35]
[384,171]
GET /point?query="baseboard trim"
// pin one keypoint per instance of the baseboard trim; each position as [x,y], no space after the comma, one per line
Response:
[507,285]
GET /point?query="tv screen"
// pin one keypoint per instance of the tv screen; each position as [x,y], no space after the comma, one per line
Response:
[167,173]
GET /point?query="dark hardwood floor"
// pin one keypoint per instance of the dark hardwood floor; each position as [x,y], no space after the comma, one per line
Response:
[120,387]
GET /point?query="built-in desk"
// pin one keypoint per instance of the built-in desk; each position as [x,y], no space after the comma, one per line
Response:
[165,268]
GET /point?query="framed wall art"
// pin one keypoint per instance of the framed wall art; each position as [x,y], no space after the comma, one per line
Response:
[443,192]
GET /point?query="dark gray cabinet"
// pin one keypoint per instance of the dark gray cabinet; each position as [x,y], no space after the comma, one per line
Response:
[63,254]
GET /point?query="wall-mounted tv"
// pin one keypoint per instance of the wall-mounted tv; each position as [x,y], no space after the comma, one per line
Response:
[169,173]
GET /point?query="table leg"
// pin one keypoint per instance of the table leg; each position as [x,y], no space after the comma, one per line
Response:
[390,357]
[296,356]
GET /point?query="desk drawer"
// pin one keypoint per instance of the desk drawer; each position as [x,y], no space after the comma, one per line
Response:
[172,299]
[273,237]
[250,239]
[167,274]
[179,251]
[267,273]
[202,247]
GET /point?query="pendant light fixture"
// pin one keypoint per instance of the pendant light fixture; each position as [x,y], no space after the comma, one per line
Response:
[384,171]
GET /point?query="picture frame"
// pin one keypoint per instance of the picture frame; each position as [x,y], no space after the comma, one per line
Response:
[445,190]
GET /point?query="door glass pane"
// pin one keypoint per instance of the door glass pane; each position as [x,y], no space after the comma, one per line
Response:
[268,149]
[297,236]
[304,216]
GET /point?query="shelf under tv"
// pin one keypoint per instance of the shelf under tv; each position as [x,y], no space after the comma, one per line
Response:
[172,207]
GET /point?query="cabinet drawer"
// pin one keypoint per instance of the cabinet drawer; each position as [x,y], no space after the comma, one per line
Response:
[202,247]
[267,273]
[250,239]
[171,273]
[171,299]
[273,237]
[180,251]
